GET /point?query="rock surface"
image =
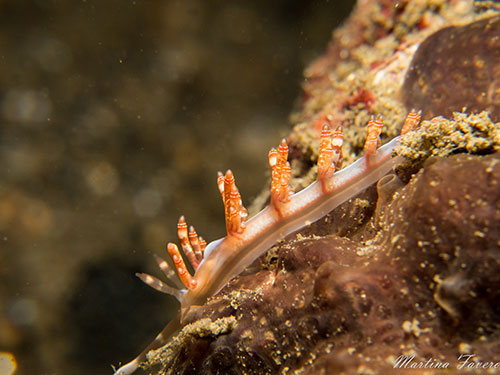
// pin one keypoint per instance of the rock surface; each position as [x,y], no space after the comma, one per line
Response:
[443,77]
[423,282]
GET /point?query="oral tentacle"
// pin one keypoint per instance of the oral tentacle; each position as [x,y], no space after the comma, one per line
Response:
[169,273]
[160,286]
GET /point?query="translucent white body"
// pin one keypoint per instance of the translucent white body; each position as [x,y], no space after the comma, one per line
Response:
[229,256]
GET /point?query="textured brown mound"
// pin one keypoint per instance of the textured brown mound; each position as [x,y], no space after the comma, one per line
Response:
[457,67]
[425,281]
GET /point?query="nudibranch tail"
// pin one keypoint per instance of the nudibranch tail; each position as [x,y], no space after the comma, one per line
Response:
[170,329]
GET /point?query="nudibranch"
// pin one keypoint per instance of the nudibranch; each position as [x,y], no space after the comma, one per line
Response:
[217,263]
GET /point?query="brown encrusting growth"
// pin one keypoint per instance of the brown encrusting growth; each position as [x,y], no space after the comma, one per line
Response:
[474,133]
[427,283]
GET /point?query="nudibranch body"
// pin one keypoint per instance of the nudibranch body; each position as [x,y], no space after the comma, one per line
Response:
[216,264]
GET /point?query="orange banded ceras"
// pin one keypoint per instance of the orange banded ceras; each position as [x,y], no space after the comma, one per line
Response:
[216,264]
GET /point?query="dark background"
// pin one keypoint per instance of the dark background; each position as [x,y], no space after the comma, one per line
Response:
[114,117]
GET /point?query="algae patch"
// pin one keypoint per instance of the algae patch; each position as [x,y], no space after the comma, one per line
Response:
[202,328]
[464,133]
